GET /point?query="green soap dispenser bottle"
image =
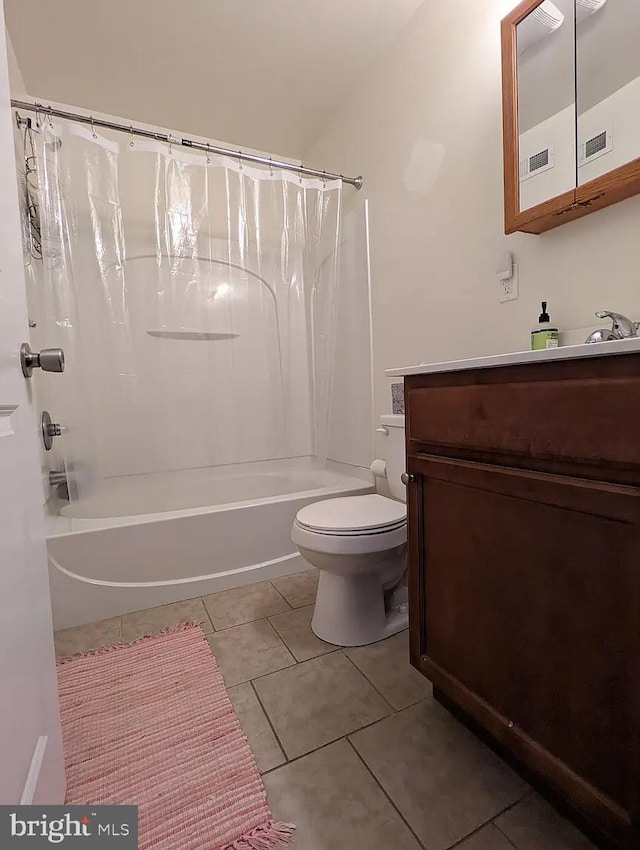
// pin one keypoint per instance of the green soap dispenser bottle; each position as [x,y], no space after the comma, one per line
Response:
[544,334]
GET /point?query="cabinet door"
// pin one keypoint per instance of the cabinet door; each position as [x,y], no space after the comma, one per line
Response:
[525,611]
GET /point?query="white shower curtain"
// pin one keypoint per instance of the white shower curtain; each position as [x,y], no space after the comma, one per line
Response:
[194,297]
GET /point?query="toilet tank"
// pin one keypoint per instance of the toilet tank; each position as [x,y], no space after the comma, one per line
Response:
[393,453]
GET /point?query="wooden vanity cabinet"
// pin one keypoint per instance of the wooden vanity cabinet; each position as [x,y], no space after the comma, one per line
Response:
[524,547]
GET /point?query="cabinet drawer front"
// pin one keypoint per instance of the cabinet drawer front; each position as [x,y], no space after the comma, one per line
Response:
[592,422]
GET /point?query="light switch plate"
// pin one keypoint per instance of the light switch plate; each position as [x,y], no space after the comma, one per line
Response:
[508,289]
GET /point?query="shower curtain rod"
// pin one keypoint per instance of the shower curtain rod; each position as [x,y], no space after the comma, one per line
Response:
[187,143]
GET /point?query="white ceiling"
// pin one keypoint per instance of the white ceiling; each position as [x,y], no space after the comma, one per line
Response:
[265,75]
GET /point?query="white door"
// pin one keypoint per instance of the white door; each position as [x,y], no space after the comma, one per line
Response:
[31,762]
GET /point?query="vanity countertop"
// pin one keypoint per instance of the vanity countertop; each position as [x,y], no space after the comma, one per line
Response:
[565,352]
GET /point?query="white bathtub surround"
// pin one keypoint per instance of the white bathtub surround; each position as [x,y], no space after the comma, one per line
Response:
[210,291]
[102,566]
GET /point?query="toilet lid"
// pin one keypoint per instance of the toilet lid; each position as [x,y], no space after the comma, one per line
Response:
[353,514]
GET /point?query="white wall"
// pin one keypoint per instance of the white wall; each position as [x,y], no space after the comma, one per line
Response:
[16,81]
[259,74]
[424,128]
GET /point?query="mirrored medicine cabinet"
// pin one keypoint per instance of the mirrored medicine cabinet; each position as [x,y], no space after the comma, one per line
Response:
[571,109]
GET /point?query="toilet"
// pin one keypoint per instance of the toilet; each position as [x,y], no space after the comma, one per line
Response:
[358,543]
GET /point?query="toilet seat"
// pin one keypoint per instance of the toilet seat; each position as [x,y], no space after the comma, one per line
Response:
[353,525]
[353,516]
[345,544]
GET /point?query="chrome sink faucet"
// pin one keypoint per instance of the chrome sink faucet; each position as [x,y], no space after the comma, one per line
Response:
[621,328]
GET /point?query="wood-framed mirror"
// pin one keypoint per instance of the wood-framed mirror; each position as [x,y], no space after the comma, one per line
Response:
[571,101]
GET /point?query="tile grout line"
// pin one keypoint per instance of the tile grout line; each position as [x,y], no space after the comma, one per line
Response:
[384,791]
[491,822]
[252,584]
[271,726]
[488,822]
[481,827]
[342,737]
[528,793]
[364,675]
[256,678]
[207,614]
[295,661]
[304,755]
[152,608]
[316,749]
[291,655]
[284,641]
[291,608]
[247,622]
[506,837]
[275,628]
[200,599]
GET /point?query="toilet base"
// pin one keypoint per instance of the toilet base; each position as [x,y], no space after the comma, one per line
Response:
[350,610]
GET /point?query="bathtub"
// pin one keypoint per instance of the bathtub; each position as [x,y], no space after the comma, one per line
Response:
[147,540]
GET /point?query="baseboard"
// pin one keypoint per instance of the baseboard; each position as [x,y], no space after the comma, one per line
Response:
[45,782]
[35,768]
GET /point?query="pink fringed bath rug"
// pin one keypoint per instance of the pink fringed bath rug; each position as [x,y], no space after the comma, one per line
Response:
[150,723]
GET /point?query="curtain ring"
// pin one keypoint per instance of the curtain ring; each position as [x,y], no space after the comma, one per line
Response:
[324,179]
[38,122]
[93,129]
[270,167]
[300,175]
[50,116]
[208,154]
[240,165]
[132,144]
[170,144]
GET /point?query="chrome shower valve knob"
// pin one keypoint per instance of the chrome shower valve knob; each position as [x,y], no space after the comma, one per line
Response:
[50,429]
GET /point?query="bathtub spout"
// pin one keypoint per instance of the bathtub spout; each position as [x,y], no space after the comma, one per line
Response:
[58,479]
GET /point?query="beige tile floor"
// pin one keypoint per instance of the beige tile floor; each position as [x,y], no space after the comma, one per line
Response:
[352,746]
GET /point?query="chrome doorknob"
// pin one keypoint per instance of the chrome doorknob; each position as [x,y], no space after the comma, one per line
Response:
[407,478]
[49,360]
